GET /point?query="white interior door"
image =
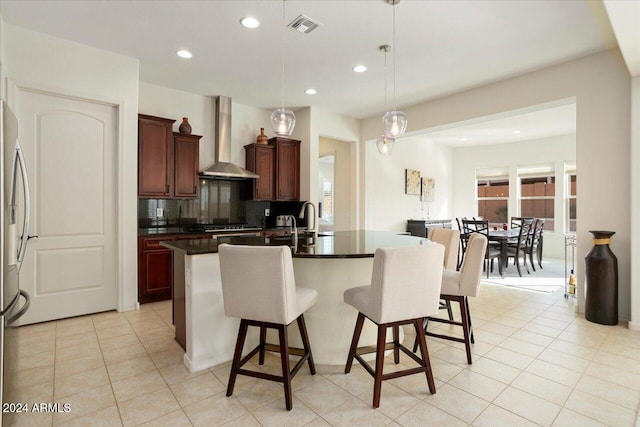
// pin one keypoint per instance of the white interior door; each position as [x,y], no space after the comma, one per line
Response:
[70,150]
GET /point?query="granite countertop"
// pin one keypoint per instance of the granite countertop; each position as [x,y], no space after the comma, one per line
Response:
[340,244]
[158,231]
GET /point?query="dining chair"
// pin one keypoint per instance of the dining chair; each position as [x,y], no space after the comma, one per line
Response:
[492,252]
[463,241]
[520,247]
[535,242]
[258,286]
[405,288]
[458,286]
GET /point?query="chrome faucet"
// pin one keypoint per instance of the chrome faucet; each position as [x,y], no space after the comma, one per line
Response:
[303,213]
[293,227]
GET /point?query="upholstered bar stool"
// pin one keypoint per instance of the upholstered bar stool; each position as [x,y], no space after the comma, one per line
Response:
[258,287]
[459,285]
[405,288]
[450,239]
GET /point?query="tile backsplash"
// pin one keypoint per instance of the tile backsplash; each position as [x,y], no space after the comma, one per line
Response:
[219,202]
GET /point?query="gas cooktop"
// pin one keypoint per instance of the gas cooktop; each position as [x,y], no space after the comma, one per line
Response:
[220,227]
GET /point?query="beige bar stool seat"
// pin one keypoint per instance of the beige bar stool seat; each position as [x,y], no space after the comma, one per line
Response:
[459,285]
[405,288]
[258,286]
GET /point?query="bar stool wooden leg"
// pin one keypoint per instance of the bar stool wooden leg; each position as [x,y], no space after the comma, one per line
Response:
[396,344]
[235,365]
[354,342]
[425,354]
[466,303]
[286,373]
[465,327]
[263,340]
[305,344]
[377,382]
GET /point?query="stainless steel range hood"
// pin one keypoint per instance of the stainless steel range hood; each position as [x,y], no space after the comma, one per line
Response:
[223,168]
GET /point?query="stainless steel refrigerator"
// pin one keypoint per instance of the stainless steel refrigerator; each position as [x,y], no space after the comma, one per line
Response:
[14,223]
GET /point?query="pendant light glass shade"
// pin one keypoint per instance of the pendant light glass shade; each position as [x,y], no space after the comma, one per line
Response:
[385,144]
[394,123]
[283,121]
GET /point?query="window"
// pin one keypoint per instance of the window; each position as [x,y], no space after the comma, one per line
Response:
[537,198]
[493,197]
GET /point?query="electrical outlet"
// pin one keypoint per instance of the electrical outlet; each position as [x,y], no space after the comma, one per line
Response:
[267,212]
[159,212]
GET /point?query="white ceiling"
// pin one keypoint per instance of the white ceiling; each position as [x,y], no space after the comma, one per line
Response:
[511,127]
[442,47]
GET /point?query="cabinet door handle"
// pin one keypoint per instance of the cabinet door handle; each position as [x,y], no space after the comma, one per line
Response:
[167,188]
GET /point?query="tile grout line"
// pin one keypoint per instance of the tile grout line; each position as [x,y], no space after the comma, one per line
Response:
[108,374]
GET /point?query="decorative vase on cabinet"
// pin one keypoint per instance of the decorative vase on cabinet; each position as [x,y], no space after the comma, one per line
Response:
[601,305]
[185,127]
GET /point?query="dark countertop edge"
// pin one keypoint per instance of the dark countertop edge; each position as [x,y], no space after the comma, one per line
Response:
[161,231]
[214,250]
[205,246]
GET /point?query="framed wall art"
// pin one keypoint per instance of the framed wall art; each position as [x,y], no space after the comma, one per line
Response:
[427,189]
[412,182]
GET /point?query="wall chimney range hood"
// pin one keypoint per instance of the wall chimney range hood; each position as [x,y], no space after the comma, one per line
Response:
[223,168]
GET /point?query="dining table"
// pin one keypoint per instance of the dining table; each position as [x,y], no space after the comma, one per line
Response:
[503,237]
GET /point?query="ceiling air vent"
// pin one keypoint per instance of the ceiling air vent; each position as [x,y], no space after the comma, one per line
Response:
[303,24]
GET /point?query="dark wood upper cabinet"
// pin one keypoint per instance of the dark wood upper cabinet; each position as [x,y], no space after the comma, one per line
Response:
[287,168]
[155,156]
[261,160]
[186,160]
[278,164]
[167,161]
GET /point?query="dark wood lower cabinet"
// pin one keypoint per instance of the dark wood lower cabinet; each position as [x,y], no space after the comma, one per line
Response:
[155,267]
[155,270]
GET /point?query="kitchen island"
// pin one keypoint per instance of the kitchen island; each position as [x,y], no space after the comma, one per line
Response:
[329,263]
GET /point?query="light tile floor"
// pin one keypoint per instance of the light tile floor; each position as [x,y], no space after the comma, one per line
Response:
[535,363]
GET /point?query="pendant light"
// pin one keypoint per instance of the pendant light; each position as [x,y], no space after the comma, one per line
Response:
[394,122]
[385,142]
[283,120]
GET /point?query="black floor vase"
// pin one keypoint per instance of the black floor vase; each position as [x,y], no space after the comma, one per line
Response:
[602,281]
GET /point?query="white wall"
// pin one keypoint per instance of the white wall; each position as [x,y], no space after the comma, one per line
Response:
[246,121]
[601,85]
[313,123]
[467,160]
[635,204]
[2,60]
[39,61]
[343,212]
[386,204]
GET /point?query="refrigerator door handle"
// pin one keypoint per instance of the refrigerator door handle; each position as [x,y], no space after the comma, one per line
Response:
[27,205]
[23,310]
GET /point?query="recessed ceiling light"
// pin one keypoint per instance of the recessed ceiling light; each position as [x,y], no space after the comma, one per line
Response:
[184,54]
[464,139]
[310,91]
[250,22]
[516,131]
[359,68]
